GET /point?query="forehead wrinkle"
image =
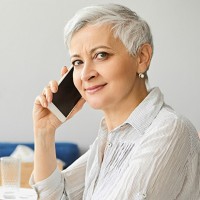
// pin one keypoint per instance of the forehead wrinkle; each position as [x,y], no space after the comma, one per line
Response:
[93,42]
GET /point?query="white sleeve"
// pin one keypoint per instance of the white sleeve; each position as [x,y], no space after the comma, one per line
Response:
[74,177]
[65,185]
[50,188]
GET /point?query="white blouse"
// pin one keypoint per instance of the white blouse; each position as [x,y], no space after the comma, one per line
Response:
[153,155]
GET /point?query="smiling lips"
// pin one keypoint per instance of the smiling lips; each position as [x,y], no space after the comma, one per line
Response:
[94,89]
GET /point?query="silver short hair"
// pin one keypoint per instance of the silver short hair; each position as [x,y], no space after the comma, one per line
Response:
[132,30]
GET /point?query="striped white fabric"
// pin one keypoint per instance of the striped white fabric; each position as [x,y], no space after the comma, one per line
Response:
[153,155]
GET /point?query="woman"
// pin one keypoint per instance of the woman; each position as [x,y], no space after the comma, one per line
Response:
[144,150]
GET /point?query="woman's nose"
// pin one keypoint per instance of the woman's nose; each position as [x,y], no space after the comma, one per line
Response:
[88,72]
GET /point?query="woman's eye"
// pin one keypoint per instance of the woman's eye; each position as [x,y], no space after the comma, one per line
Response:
[101,55]
[77,62]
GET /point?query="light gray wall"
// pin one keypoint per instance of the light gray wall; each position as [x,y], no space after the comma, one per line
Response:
[32,53]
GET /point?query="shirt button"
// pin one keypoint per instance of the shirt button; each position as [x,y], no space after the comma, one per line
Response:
[109,144]
[141,196]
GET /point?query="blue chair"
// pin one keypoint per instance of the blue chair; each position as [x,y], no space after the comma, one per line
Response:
[66,151]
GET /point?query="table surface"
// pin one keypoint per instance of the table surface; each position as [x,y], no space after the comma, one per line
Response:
[24,193]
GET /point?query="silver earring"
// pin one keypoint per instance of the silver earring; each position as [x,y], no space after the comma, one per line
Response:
[141,75]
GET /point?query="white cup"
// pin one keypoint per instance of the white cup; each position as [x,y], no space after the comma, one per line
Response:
[10,176]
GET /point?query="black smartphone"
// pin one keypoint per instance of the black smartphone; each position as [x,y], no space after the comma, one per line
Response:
[65,98]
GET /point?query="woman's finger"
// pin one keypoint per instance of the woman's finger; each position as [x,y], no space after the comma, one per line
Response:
[53,86]
[41,100]
[64,70]
[47,93]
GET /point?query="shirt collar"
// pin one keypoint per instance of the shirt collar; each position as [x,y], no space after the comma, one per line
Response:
[144,114]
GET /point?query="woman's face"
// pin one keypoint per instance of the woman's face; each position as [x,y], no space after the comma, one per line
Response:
[104,72]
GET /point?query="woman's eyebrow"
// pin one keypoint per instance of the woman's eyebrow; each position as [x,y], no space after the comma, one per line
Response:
[75,56]
[99,47]
[91,51]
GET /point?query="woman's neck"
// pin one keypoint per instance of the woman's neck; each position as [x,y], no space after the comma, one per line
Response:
[118,114]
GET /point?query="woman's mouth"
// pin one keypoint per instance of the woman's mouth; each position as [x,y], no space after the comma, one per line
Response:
[95,88]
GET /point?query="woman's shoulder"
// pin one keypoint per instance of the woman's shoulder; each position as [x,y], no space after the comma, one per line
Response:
[175,120]
[173,125]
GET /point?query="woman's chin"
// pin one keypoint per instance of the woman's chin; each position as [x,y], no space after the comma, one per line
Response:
[96,105]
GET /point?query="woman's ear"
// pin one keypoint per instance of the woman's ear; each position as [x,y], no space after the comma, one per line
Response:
[144,57]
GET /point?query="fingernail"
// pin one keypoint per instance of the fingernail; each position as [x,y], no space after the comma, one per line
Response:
[54,89]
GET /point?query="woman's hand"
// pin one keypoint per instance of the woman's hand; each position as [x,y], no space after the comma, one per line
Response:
[42,117]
